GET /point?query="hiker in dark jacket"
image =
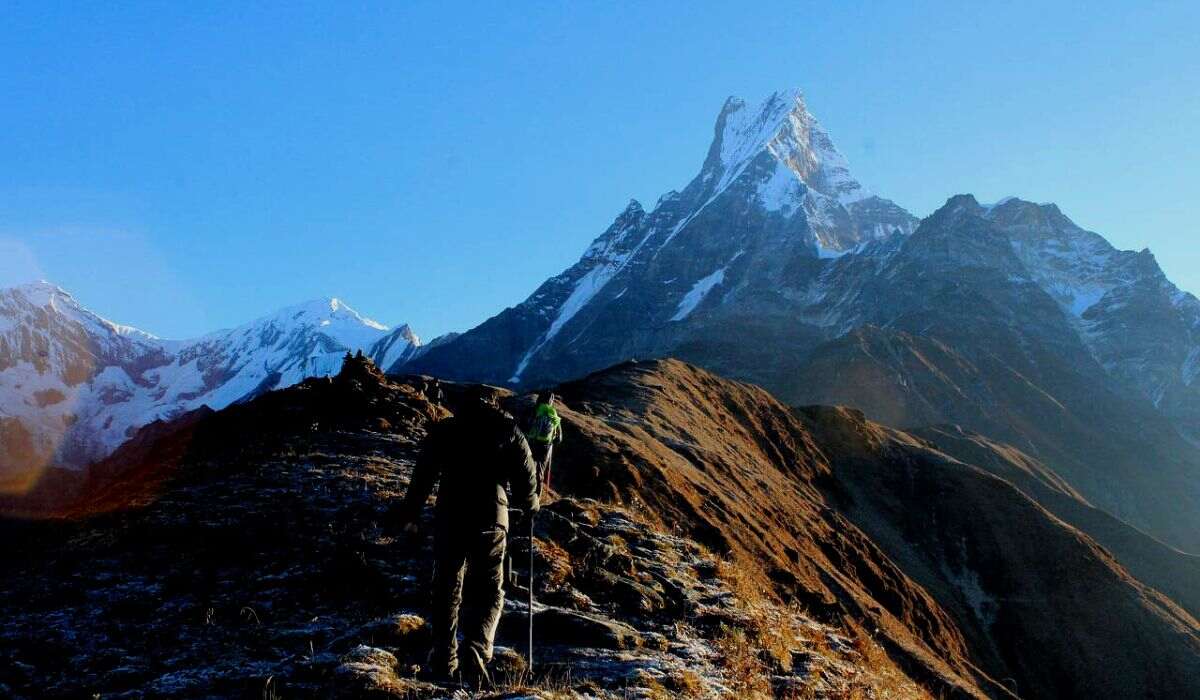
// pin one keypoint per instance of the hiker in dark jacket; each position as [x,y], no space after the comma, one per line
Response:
[545,429]
[473,455]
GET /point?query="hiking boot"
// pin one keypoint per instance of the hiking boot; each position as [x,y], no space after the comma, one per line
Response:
[440,672]
[440,678]
[474,672]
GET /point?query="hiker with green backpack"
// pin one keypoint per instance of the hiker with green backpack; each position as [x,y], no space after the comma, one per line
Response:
[544,431]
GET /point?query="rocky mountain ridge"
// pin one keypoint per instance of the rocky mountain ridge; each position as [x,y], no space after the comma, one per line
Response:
[772,190]
[704,541]
[74,386]
[775,266]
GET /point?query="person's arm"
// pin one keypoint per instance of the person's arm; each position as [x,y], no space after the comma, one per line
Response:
[522,473]
[558,431]
[425,475]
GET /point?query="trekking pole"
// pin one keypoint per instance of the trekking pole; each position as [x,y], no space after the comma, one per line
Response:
[531,593]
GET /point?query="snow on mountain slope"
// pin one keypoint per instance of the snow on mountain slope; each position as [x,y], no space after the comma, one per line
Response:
[277,350]
[1018,323]
[1074,266]
[772,197]
[692,299]
[782,126]
[774,248]
[74,386]
[396,347]
[1142,329]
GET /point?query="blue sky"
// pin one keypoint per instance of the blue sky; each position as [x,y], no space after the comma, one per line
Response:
[187,166]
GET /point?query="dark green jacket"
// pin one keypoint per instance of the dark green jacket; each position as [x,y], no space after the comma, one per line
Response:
[474,456]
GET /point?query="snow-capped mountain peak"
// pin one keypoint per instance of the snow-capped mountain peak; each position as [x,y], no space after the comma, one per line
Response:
[773,200]
[782,127]
[59,302]
[1141,329]
[79,385]
[328,316]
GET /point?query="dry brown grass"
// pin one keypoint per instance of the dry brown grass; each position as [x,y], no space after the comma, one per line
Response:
[555,565]
[773,631]
[854,691]
[745,672]
[771,626]
[880,673]
[649,687]
[553,686]
[686,684]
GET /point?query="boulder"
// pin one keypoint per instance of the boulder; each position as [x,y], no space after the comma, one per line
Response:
[405,632]
[567,627]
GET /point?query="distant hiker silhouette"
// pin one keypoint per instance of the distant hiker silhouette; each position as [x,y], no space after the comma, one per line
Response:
[545,429]
[474,455]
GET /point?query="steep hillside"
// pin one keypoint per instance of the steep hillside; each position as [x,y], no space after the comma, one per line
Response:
[1000,570]
[248,552]
[1010,573]
[1114,450]
[1162,567]
[706,541]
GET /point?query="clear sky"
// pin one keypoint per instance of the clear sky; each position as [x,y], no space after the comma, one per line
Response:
[187,166]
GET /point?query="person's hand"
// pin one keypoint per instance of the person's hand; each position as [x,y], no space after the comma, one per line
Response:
[521,524]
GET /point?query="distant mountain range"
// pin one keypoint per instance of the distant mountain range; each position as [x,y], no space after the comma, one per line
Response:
[773,265]
[74,386]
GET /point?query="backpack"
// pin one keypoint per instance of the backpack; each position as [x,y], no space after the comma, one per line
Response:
[546,424]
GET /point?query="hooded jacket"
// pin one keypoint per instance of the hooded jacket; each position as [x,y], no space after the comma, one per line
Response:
[474,456]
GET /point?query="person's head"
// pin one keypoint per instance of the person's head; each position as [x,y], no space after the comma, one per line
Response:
[545,397]
[479,398]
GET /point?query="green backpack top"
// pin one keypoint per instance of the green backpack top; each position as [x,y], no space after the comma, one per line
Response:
[547,426]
